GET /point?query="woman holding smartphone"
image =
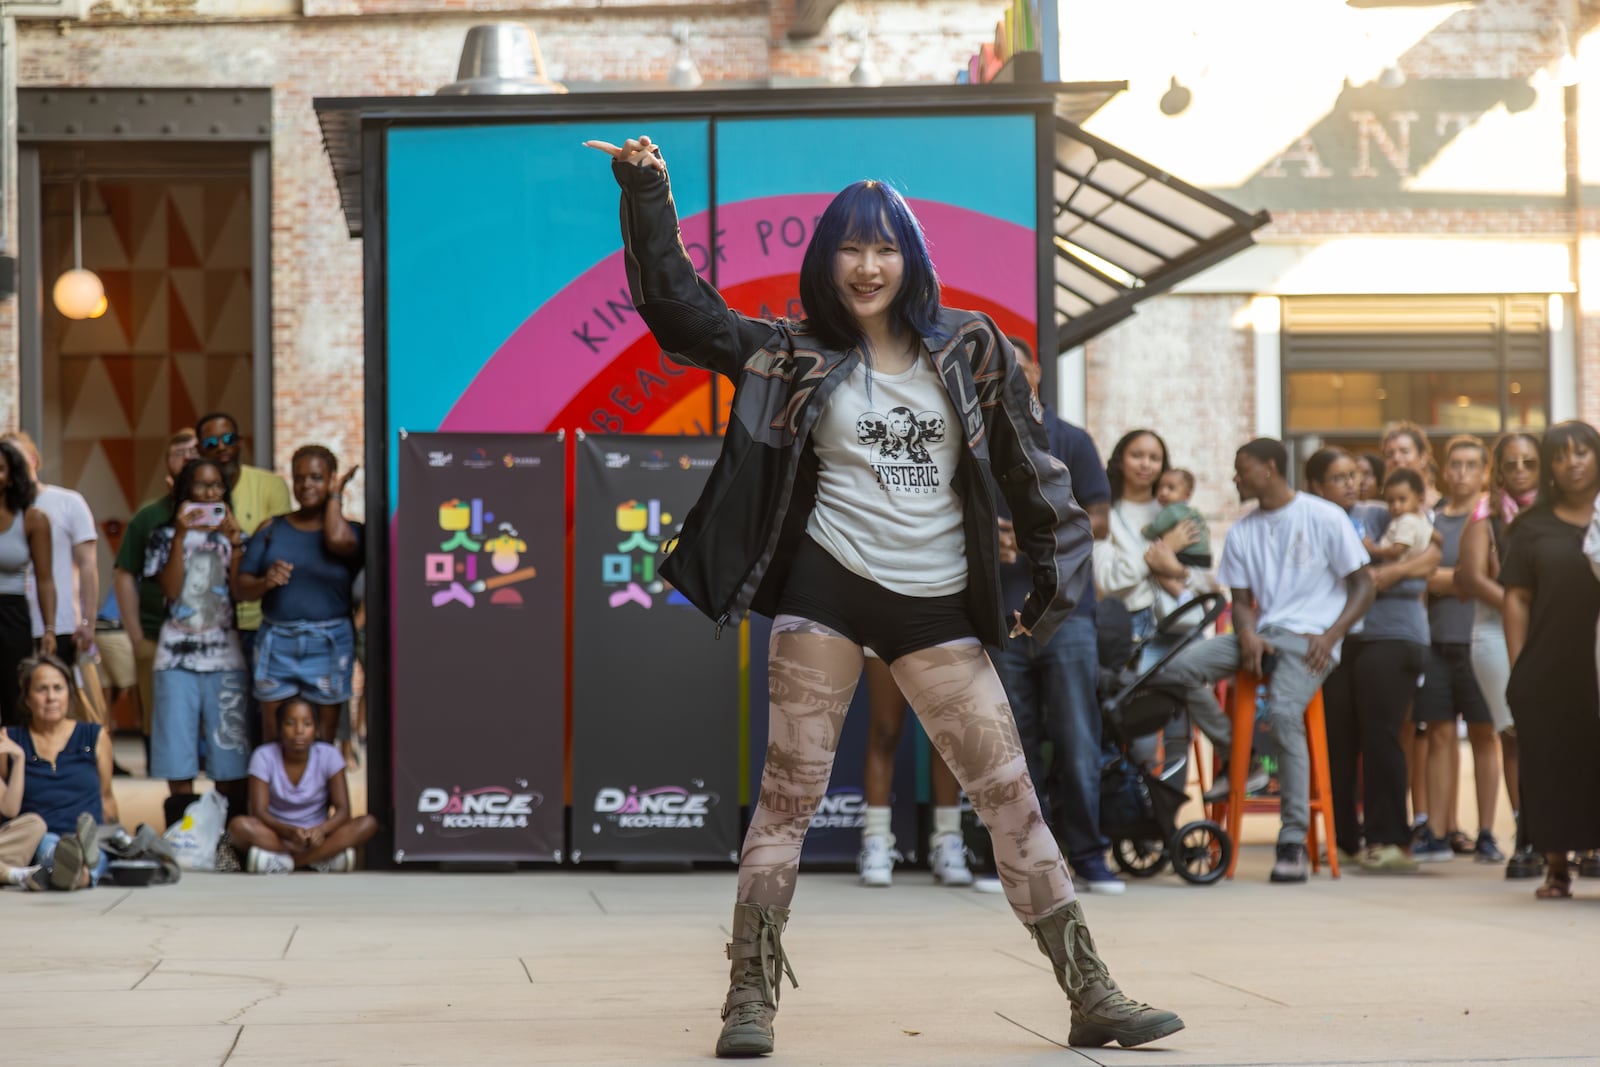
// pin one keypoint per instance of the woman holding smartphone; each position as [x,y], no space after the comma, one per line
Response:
[199,669]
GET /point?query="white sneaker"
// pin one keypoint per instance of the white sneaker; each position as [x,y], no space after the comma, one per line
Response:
[947,856]
[260,861]
[340,864]
[876,862]
[988,885]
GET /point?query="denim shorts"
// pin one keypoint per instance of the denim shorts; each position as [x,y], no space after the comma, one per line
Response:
[313,660]
[188,702]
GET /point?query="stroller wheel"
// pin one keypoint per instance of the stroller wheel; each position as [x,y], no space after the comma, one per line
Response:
[1142,858]
[1201,852]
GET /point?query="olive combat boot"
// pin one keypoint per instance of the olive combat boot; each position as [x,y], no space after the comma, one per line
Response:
[759,964]
[1100,1012]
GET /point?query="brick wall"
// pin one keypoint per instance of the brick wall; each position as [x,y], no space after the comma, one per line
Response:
[1184,366]
[406,47]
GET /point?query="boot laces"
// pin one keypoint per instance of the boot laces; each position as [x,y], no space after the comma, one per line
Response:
[772,964]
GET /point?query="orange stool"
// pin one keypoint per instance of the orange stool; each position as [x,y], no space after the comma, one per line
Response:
[1243,711]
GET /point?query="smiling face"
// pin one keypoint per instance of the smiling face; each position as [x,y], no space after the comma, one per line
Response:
[867,273]
[311,481]
[48,696]
[1141,463]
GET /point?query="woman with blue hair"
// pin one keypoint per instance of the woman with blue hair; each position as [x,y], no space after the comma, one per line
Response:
[850,504]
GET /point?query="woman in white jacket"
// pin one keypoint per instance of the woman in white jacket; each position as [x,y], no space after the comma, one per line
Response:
[1146,575]
[1127,566]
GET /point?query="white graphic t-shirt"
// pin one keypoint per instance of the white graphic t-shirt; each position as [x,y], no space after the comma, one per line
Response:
[885,507]
[198,634]
[1295,560]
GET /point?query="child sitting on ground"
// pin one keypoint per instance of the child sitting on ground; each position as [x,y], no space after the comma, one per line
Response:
[299,803]
[1409,533]
[1173,491]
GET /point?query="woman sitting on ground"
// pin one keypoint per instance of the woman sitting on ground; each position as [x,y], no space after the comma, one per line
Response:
[299,803]
[65,777]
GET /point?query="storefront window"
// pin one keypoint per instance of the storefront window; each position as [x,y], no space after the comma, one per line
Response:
[1352,365]
[1337,403]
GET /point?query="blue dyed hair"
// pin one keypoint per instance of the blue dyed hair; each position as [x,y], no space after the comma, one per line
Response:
[868,211]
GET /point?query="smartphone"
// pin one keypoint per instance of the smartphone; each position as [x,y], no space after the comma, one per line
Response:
[204,515]
[1269,663]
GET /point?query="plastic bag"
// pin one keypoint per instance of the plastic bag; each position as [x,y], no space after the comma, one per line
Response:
[194,838]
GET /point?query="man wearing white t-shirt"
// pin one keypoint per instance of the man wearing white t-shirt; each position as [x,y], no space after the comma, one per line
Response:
[1297,572]
[73,541]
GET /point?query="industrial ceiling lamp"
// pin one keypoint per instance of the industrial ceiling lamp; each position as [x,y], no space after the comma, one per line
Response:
[501,59]
[684,74]
[79,293]
[1176,100]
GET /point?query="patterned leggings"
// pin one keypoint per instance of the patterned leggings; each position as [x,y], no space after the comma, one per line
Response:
[959,700]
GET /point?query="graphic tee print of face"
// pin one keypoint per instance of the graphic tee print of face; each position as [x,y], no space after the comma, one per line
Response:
[203,603]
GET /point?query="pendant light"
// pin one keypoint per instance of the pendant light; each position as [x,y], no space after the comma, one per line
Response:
[79,293]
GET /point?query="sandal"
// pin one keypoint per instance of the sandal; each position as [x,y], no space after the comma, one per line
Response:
[1557,886]
[1461,844]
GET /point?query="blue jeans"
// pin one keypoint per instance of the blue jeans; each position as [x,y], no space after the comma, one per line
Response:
[1052,693]
[45,856]
[313,660]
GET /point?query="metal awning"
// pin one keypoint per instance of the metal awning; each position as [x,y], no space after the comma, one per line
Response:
[1126,231]
[343,118]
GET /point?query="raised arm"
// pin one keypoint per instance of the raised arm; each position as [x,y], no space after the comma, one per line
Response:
[687,316]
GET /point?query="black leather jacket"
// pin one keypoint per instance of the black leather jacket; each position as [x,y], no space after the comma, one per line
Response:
[734,551]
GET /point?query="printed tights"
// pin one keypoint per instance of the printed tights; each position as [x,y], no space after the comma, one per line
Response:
[958,698]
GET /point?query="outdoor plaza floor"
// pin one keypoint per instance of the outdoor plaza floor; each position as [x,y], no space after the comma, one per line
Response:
[1454,965]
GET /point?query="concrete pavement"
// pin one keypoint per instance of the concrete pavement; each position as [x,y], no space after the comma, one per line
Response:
[1451,966]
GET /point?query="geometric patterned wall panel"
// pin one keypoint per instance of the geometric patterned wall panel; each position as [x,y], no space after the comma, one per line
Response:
[175,340]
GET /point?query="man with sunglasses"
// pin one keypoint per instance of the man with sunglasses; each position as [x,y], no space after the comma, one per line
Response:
[256,496]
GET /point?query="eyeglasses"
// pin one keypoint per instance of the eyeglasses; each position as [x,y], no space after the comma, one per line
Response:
[224,440]
[1525,463]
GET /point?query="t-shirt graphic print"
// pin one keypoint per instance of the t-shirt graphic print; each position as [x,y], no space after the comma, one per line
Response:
[897,445]
[885,507]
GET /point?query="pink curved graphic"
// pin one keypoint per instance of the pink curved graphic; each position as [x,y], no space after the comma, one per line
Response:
[576,333]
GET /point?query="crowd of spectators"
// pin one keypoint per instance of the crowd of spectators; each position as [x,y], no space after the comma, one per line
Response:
[1431,594]
[229,598]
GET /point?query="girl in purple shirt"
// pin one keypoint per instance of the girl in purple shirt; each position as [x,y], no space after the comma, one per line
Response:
[299,803]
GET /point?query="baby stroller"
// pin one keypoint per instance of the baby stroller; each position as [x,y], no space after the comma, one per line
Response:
[1139,803]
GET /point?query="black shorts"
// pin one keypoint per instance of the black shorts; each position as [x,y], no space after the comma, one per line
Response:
[891,624]
[1449,688]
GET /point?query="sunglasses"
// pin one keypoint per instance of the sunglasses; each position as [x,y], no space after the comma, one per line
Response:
[224,440]
[1525,463]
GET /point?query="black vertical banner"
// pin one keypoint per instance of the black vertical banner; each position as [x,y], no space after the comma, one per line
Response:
[479,620]
[655,699]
